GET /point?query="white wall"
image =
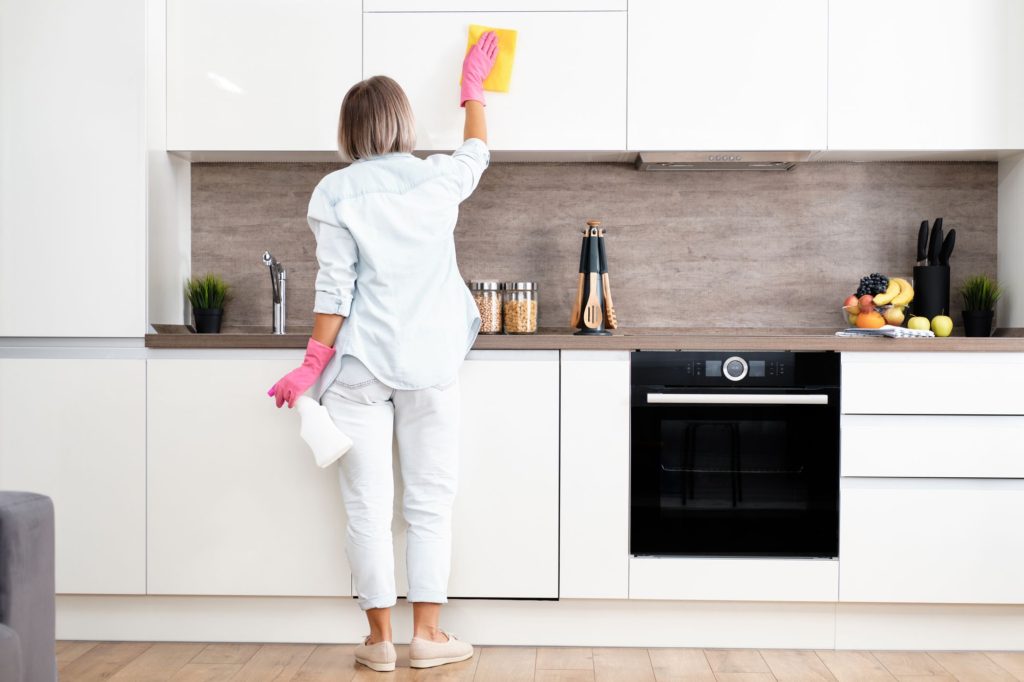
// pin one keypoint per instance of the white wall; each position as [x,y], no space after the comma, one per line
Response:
[1011,241]
[169,199]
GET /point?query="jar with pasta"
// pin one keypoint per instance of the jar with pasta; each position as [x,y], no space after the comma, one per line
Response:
[487,296]
[520,309]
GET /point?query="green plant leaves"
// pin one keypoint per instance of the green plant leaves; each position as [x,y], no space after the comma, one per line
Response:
[980,292]
[206,292]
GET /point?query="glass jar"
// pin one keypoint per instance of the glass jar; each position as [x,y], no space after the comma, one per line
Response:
[520,308]
[487,296]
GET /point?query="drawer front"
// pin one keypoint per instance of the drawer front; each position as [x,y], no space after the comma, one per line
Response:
[931,541]
[698,578]
[943,446]
[933,383]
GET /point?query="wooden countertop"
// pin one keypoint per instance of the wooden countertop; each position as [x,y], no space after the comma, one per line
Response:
[637,338]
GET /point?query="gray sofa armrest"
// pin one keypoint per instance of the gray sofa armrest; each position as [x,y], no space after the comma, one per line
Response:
[10,655]
[27,586]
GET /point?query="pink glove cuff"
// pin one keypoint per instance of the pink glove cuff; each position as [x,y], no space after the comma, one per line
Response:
[317,354]
[470,91]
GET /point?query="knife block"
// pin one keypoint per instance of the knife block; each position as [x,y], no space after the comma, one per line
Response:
[931,291]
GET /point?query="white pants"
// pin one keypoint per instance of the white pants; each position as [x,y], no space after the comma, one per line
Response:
[425,424]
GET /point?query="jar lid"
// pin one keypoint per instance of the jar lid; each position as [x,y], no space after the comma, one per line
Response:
[484,285]
[520,286]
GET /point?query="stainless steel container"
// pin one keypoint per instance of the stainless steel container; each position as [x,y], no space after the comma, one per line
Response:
[520,307]
[487,295]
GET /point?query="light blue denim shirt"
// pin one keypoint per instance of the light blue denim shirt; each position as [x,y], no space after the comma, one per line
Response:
[385,243]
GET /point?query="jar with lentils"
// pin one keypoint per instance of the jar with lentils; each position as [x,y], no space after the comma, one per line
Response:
[520,308]
[487,296]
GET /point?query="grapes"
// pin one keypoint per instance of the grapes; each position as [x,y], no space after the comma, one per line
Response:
[873,284]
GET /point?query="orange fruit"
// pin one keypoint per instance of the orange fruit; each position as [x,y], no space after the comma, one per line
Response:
[872,320]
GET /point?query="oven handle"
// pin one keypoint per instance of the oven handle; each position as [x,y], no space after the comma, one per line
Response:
[737,399]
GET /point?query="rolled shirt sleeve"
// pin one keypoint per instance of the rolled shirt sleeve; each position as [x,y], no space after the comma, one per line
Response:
[337,255]
[471,159]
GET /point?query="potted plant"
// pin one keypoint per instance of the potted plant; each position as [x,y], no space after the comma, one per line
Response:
[207,296]
[980,295]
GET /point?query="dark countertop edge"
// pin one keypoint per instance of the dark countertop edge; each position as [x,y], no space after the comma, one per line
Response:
[176,336]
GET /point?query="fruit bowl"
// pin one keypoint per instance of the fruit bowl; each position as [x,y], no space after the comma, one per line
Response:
[879,301]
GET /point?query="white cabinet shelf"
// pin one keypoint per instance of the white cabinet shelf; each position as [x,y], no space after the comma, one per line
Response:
[259,74]
[75,429]
[728,75]
[926,74]
[568,88]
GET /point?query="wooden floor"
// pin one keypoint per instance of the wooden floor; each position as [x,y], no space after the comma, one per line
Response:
[148,662]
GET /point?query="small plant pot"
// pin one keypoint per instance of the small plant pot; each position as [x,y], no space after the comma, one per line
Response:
[207,320]
[978,322]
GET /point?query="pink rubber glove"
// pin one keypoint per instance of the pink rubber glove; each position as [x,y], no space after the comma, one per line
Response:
[296,382]
[477,66]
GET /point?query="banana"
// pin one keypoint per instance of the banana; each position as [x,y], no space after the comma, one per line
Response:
[891,292]
[906,294]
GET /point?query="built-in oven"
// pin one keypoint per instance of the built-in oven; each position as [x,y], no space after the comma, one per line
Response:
[734,454]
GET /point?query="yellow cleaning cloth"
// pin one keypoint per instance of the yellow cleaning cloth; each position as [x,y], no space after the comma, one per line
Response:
[501,74]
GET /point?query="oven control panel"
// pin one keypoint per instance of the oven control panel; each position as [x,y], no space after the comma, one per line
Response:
[733,369]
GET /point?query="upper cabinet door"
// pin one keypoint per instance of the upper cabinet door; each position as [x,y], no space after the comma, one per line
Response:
[259,74]
[728,74]
[926,74]
[491,5]
[568,89]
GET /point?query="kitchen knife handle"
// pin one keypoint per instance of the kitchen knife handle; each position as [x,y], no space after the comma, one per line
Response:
[922,241]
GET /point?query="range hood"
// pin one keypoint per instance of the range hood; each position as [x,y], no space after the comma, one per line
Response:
[718,161]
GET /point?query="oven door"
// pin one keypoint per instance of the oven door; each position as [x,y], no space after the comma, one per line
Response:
[735,472]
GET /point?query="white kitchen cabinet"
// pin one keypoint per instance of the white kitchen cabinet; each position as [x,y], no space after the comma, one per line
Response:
[933,383]
[728,75]
[491,5]
[237,505]
[75,429]
[931,540]
[932,446]
[926,74]
[505,521]
[568,88]
[595,475]
[72,168]
[731,579]
[259,74]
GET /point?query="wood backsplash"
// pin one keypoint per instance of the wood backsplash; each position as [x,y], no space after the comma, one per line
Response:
[685,249]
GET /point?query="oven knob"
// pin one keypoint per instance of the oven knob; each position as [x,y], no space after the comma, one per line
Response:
[735,368]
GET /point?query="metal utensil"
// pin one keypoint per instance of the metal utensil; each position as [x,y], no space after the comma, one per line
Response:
[922,242]
[947,247]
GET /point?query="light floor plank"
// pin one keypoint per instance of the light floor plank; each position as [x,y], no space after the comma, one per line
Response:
[226,652]
[103,660]
[274,662]
[328,663]
[69,650]
[854,666]
[796,666]
[906,663]
[506,664]
[564,675]
[159,662]
[972,666]
[622,665]
[680,665]
[940,677]
[1012,661]
[744,677]
[736,661]
[565,658]
[205,672]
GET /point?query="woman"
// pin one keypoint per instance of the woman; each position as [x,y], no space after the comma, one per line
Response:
[384,228]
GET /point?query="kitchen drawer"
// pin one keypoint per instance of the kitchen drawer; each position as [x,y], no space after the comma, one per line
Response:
[491,5]
[942,446]
[699,578]
[931,540]
[932,383]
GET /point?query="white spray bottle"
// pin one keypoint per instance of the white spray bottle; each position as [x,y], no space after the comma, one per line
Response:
[323,437]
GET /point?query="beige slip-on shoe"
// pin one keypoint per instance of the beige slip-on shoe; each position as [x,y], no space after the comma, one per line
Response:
[424,653]
[380,656]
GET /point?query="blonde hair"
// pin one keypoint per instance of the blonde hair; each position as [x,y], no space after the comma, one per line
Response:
[375,118]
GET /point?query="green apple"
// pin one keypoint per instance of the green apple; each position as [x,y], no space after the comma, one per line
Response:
[920,323]
[942,325]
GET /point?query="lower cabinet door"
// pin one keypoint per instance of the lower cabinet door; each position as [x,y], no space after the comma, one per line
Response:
[237,505]
[931,540]
[75,429]
[505,524]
